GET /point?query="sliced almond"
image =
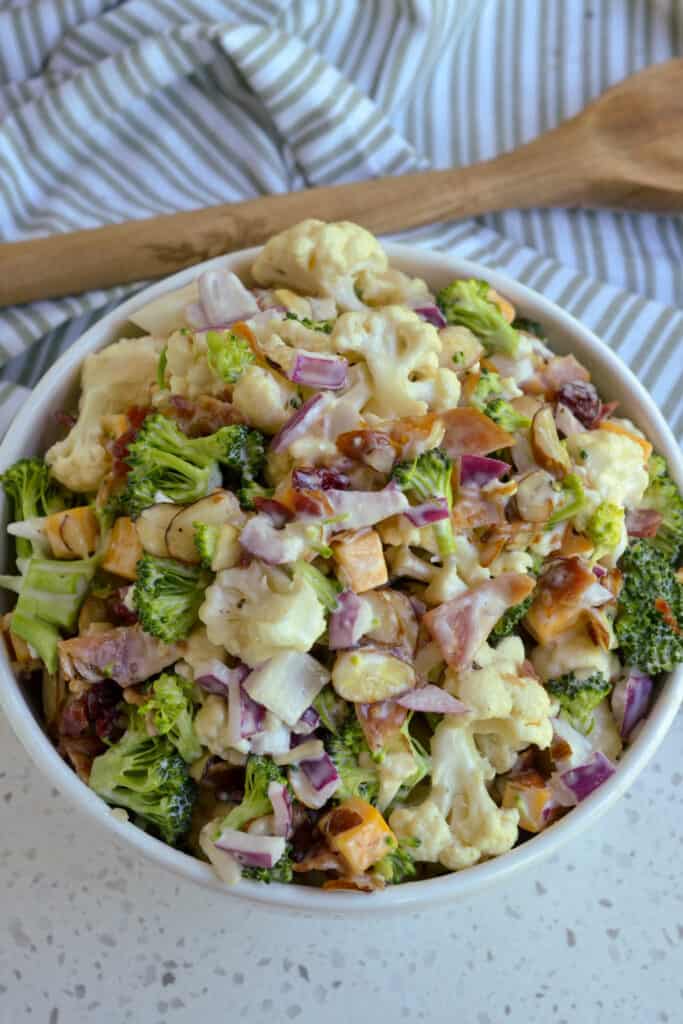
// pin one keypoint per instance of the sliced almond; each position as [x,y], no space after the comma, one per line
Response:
[216,509]
[546,445]
[535,497]
[152,525]
[79,531]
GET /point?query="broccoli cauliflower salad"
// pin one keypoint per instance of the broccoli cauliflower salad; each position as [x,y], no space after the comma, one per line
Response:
[339,582]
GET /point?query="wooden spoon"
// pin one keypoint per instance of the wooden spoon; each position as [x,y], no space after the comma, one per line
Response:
[624,151]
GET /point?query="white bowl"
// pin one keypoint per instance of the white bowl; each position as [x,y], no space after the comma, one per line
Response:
[30,434]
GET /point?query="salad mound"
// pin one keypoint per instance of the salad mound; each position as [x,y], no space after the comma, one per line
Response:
[337,582]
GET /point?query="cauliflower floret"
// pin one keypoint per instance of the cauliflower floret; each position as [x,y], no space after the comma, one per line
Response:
[396,767]
[393,288]
[423,822]
[611,465]
[121,375]
[187,368]
[280,340]
[573,650]
[320,259]
[445,584]
[211,726]
[479,828]
[504,701]
[402,354]
[199,653]
[460,347]
[256,612]
[265,399]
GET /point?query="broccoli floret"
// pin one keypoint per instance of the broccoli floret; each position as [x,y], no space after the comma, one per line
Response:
[468,303]
[167,595]
[260,772]
[326,326]
[422,760]
[162,459]
[206,541]
[508,622]
[574,500]
[507,417]
[649,622]
[326,588]
[578,697]
[523,323]
[253,489]
[280,872]
[345,748]
[429,476]
[228,355]
[32,493]
[605,527]
[171,712]
[50,593]
[501,412]
[663,496]
[398,865]
[148,777]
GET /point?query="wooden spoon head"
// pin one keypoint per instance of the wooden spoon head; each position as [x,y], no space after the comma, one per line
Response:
[637,126]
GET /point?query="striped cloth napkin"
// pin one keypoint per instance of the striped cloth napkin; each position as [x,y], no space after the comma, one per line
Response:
[116,110]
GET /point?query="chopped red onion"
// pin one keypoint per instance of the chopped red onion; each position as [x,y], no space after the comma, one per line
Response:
[223,300]
[433,315]
[599,571]
[306,793]
[319,371]
[300,422]
[480,470]
[252,715]
[251,850]
[217,677]
[320,772]
[344,628]
[630,700]
[278,513]
[428,512]
[263,540]
[643,522]
[365,508]
[281,802]
[308,723]
[586,778]
[319,478]
[431,698]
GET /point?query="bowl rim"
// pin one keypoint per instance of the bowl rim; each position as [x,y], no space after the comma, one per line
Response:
[412,895]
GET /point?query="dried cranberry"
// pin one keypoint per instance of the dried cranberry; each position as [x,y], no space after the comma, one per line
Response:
[74,719]
[319,478]
[305,833]
[119,611]
[102,701]
[582,399]
[278,512]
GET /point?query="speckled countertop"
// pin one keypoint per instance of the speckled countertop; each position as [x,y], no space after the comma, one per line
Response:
[89,933]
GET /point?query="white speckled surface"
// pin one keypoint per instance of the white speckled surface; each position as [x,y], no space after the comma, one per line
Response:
[88,934]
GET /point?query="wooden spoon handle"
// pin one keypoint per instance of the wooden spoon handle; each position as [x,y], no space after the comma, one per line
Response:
[556,169]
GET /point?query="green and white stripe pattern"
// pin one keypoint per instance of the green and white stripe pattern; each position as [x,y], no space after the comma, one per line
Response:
[115,110]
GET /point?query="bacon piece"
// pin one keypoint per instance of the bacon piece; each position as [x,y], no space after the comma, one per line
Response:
[462,625]
[320,858]
[74,718]
[202,417]
[643,522]
[472,508]
[469,432]
[126,655]
[558,603]
[557,371]
[380,720]
[374,448]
